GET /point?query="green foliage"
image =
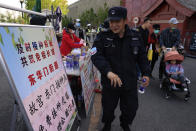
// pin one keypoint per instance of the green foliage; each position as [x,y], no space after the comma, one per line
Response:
[21,40]
[1,40]
[65,21]
[13,40]
[89,16]
[62,4]
[29,4]
[46,37]
[121,3]
[7,30]
[9,17]
[46,4]
[102,14]
[20,29]
[2,18]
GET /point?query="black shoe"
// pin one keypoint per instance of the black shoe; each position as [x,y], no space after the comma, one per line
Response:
[125,127]
[167,96]
[107,127]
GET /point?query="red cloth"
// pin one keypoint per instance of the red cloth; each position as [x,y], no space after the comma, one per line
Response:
[68,43]
[153,39]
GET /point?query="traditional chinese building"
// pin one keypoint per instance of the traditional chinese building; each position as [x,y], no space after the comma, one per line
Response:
[160,11]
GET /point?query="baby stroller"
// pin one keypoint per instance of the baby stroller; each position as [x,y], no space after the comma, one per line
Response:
[170,85]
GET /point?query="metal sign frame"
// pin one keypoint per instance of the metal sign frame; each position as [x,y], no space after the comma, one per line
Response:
[14,90]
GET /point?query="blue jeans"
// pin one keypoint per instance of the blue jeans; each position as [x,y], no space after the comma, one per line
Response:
[179,77]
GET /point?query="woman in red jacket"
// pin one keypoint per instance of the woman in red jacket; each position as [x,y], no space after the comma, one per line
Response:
[69,40]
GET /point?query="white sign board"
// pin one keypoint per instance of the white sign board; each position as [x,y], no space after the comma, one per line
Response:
[33,61]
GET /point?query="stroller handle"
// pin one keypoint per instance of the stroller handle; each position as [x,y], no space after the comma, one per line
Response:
[167,50]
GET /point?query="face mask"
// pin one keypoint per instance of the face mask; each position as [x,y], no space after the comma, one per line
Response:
[156,31]
[173,28]
[73,31]
[78,24]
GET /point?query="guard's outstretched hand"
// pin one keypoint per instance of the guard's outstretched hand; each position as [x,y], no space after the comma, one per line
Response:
[114,79]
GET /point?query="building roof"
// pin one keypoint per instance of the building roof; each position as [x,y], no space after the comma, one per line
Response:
[186,7]
[191,4]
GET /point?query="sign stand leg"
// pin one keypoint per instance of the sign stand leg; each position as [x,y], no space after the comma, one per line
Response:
[78,121]
[94,112]
[12,128]
[17,121]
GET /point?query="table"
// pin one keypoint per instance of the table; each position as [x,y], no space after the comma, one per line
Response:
[86,75]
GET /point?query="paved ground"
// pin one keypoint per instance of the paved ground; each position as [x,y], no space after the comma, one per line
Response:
[158,114]
[6,102]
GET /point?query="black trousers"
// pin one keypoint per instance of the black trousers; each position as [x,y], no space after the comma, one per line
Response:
[128,104]
[161,68]
[154,59]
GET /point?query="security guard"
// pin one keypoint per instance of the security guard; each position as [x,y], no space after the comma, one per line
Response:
[118,51]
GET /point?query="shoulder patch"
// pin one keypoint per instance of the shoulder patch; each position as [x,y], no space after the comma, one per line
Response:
[109,39]
[135,29]
[93,51]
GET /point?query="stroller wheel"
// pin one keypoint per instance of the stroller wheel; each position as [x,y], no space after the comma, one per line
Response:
[186,98]
[167,96]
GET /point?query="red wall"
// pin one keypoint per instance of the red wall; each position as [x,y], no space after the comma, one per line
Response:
[189,28]
[162,15]
[136,8]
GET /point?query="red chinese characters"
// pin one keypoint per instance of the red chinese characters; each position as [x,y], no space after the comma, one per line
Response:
[31,59]
[32,79]
[43,73]
[46,43]
[39,74]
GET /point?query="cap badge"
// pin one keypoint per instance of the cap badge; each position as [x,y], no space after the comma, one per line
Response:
[113,12]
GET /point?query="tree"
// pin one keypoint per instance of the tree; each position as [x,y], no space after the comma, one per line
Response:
[102,14]
[46,4]
[2,18]
[65,21]
[29,4]
[20,20]
[88,16]
[9,17]
[63,4]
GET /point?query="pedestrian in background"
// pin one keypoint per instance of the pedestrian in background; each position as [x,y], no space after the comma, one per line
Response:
[144,31]
[69,40]
[154,40]
[118,51]
[169,38]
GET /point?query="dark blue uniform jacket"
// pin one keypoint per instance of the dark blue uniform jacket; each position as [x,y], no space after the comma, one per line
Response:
[120,56]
